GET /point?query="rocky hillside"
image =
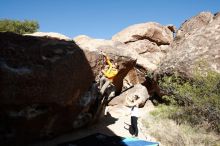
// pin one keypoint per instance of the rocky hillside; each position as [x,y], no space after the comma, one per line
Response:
[197,44]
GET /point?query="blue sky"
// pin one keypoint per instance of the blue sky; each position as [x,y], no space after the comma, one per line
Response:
[102,18]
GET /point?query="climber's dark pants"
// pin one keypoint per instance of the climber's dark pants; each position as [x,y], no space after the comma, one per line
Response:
[134,125]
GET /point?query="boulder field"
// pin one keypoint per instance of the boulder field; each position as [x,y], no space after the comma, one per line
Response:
[50,83]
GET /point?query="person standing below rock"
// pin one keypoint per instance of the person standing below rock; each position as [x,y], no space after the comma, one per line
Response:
[134,119]
[109,72]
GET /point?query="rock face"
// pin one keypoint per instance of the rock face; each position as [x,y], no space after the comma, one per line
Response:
[149,42]
[43,83]
[123,57]
[196,22]
[151,31]
[200,46]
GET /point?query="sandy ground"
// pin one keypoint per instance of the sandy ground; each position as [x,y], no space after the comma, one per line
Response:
[114,122]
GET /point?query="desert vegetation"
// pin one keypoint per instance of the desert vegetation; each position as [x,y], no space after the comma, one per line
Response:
[191,113]
[19,27]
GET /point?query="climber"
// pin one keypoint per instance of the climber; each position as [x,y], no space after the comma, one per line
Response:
[109,72]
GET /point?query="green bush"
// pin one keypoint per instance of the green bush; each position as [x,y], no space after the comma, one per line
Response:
[198,99]
[19,27]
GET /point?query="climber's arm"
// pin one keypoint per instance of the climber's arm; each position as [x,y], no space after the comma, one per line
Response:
[108,61]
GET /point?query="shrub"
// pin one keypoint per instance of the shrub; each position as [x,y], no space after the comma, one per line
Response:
[19,27]
[198,99]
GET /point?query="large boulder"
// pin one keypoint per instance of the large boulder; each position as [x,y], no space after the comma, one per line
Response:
[149,42]
[43,84]
[136,95]
[149,54]
[200,47]
[152,31]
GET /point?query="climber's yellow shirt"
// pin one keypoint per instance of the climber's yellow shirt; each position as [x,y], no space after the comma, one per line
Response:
[111,72]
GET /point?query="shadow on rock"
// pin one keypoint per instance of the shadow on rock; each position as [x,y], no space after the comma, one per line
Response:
[43,82]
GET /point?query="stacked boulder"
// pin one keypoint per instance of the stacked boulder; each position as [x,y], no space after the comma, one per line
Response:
[147,43]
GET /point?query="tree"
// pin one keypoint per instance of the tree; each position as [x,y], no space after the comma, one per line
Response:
[19,27]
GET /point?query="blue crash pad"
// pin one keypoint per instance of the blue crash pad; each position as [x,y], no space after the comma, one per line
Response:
[138,142]
[99,139]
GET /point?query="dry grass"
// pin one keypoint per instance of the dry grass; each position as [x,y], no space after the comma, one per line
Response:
[168,133]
